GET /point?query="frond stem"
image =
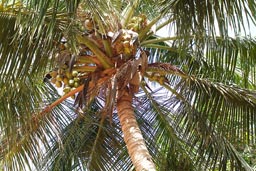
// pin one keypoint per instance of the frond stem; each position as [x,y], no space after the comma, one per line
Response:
[128,12]
[96,140]
[164,23]
[156,46]
[171,131]
[104,59]
[69,94]
[143,32]
[158,40]
[160,26]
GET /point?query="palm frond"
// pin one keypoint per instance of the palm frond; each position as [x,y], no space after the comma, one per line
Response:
[26,53]
[210,17]
[25,133]
[234,58]
[200,145]
[29,37]
[206,107]
[87,136]
[217,100]
[229,107]
[167,148]
[228,60]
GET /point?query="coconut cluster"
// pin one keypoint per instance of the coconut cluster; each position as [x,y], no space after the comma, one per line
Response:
[72,69]
[63,78]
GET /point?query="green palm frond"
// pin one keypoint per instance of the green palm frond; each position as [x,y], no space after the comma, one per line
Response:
[233,58]
[200,145]
[227,107]
[25,56]
[216,99]
[19,50]
[199,17]
[228,60]
[83,139]
[168,149]
[204,108]
[28,128]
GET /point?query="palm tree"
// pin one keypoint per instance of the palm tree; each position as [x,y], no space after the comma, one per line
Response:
[140,100]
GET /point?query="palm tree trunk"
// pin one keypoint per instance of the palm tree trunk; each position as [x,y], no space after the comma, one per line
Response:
[133,138]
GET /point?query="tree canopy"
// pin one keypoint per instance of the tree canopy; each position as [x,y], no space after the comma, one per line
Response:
[191,94]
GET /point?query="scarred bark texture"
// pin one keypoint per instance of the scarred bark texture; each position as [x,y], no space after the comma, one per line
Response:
[132,135]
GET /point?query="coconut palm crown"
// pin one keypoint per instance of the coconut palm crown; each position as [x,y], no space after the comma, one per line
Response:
[93,85]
